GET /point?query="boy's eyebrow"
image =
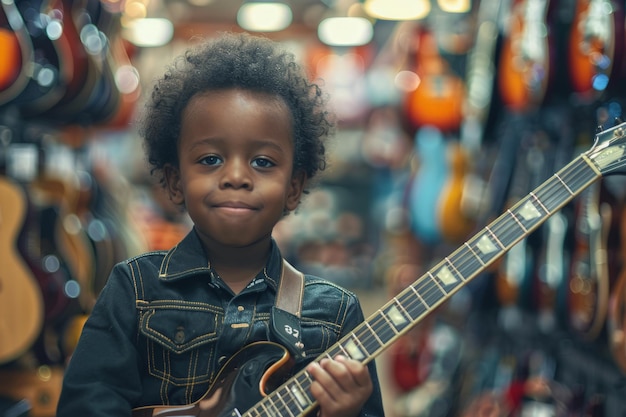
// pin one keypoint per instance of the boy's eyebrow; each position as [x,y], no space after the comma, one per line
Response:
[218,140]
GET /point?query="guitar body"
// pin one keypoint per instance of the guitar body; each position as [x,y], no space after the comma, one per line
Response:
[15,52]
[455,221]
[240,384]
[50,60]
[525,66]
[427,184]
[438,99]
[596,43]
[21,305]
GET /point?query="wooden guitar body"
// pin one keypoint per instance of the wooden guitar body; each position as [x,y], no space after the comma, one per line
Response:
[21,304]
[241,383]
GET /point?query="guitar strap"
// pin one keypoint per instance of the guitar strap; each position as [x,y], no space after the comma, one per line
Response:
[285,316]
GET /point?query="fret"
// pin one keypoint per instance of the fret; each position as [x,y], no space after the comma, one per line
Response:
[267,411]
[354,349]
[529,213]
[507,229]
[417,294]
[305,395]
[446,276]
[396,313]
[391,325]
[382,328]
[434,280]
[569,190]
[273,406]
[485,246]
[466,262]
[373,333]
[286,407]
[469,247]
[554,196]
[297,393]
[416,306]
[539,203]
[578,174]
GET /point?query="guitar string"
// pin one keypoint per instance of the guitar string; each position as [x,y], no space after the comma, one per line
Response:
[431,292]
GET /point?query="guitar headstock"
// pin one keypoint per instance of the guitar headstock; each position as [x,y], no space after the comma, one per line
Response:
[609,150]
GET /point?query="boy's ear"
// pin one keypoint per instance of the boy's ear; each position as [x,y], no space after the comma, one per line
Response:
[296,188]
[172,184]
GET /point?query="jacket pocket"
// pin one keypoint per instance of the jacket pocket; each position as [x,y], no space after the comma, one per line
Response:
[180,340]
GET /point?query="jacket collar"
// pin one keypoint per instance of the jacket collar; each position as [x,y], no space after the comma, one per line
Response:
[188,259]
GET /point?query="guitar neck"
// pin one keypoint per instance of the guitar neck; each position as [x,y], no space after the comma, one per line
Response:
[400,314]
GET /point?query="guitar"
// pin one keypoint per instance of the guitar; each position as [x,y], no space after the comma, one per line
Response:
[427,184]
[525,68]
[16,52]
[51,68]
[438,99]
[596,46]
[253,366]
[21,304]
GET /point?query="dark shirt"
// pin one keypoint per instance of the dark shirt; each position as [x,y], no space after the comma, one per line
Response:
[165,324]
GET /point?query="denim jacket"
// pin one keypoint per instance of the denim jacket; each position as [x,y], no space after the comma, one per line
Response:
[165,323]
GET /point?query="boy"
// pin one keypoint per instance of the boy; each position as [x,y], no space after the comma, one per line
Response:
[235,133]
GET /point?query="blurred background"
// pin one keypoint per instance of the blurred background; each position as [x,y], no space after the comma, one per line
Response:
[449,111]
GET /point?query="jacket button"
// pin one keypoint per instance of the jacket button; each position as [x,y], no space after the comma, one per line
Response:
[180,335]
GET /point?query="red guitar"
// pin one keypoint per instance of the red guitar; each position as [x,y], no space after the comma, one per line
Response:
[21,305]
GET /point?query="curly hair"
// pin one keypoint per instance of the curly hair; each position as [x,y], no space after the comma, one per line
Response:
[236,60]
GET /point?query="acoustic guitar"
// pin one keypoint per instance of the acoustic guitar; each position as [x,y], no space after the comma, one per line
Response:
[262,364]
[21,304]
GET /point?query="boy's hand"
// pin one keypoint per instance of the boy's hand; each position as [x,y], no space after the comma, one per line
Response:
[341,386]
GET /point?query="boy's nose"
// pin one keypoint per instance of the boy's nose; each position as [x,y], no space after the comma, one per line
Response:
[236,175]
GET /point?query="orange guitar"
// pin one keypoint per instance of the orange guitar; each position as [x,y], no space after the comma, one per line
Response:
[21,304]
[437,101]
[15,52]
[525,68]
[596,46]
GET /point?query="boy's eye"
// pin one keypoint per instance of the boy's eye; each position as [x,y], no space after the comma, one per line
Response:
[262,163]
[211,160]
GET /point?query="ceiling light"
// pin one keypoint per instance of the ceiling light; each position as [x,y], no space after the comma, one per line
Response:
[149,32]
[397,9]
[264,16]
[345,31]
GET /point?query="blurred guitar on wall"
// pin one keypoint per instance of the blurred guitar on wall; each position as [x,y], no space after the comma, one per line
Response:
[526,67]
[596,48]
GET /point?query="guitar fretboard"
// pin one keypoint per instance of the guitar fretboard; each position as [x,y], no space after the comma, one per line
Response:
[395,318]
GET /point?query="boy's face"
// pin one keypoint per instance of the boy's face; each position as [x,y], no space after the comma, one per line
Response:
[235,166]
